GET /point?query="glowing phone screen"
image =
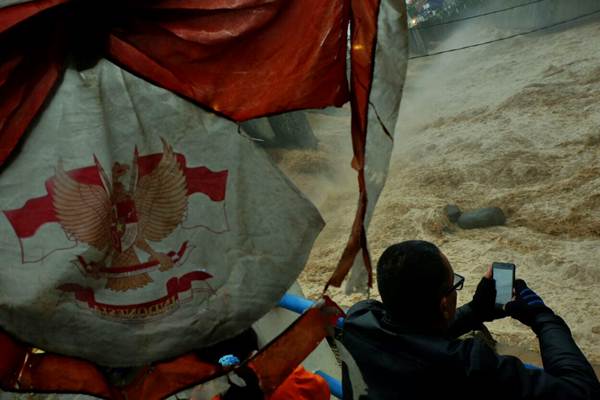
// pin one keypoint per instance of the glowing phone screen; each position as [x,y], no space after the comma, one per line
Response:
[504,285]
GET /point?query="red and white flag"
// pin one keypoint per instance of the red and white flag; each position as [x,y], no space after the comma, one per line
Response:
[142,210]
[137,223]
[39,220]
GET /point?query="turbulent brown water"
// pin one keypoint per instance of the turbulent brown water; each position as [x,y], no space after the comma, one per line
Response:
[516,125]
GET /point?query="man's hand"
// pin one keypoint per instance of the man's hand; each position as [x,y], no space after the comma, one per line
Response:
[484,299]
[527,304]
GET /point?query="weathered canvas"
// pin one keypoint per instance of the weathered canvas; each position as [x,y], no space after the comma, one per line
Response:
[136,226]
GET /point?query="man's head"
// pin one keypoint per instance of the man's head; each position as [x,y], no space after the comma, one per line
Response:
[415,281]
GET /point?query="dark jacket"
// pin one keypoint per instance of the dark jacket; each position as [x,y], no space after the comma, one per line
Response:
[386,361]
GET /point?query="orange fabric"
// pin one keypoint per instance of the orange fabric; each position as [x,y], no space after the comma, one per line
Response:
[10,16]
[277,361]
[238,58]
[30,67]
[302,385]
[167,378]
[22,370]
[243,62]
[364,42]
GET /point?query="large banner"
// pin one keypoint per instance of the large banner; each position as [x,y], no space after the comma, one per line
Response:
[136,226]
[137,222]
[389,63]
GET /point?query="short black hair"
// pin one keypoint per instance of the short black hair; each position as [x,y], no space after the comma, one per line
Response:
[412,278]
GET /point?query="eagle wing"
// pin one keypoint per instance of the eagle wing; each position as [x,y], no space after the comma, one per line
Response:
[161,198]
[82,210]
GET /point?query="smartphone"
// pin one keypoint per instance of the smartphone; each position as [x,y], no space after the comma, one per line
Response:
[504,275]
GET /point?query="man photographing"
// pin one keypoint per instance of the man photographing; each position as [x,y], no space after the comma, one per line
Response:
[406,346]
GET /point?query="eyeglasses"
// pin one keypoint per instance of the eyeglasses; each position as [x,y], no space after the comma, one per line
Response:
[457,284]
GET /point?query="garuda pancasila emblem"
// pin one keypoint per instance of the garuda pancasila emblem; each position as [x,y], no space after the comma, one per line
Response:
[118,219]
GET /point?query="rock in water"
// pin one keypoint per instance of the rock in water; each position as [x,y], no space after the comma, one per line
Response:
[289,130]
[482,218]
[292,130]
[453,212]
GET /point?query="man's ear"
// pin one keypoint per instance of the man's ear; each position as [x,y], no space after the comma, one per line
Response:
[444,308]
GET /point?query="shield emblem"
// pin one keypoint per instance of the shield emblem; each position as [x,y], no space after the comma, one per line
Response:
[124,224]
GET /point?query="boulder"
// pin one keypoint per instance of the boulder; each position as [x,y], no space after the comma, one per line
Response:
[482,218]
[292,130]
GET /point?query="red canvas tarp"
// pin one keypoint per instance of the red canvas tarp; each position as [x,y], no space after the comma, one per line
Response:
[26,369]
[237,58]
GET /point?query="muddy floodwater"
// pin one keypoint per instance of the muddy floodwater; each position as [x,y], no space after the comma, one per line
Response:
[516,125]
